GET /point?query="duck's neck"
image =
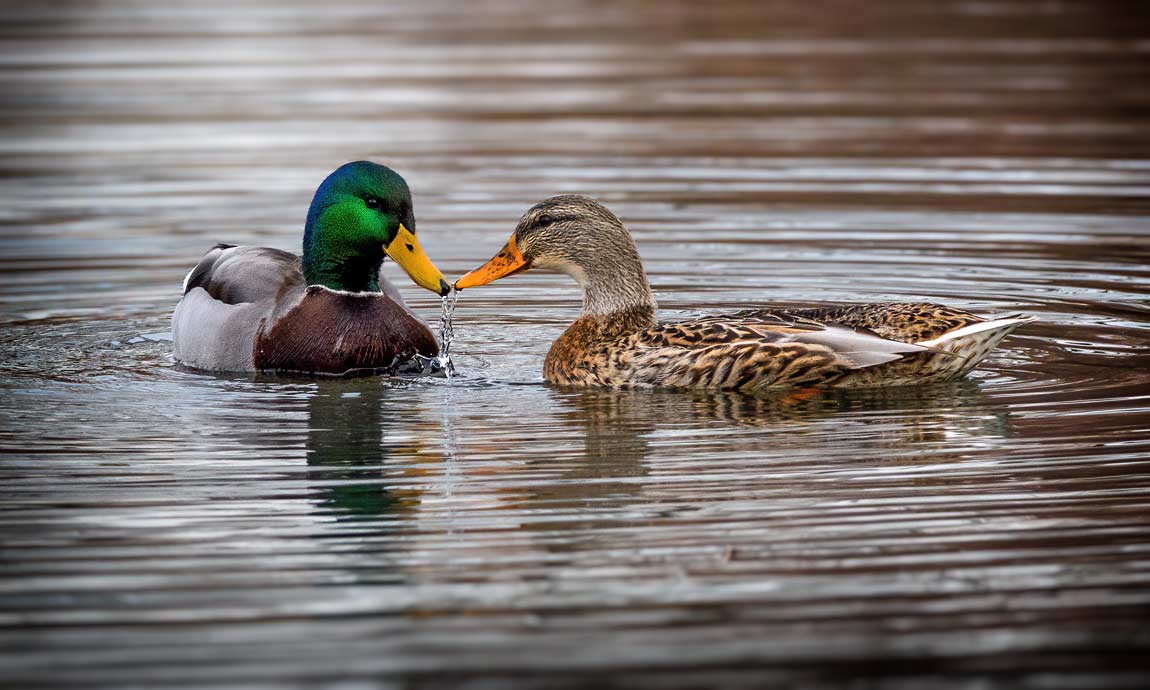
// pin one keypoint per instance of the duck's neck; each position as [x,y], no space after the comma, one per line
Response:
[329,263]
[616,295]
[616,303]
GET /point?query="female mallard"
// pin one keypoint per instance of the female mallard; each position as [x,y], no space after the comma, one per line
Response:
[257,308]
[617,342]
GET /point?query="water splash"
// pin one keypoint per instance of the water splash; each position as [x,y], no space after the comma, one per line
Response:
[447,333]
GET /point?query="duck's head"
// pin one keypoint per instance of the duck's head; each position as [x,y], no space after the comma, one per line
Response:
[578,236]
[361,212]
[569,233]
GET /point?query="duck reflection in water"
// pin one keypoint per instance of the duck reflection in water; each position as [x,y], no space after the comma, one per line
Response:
[370,449]
[623,427]
[350,439]
[631,445]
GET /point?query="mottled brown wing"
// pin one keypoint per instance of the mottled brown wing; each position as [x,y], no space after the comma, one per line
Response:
[907,322]
[744,354]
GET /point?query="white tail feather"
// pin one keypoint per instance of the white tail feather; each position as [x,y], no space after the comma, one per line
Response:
[970,344]
[1006,324]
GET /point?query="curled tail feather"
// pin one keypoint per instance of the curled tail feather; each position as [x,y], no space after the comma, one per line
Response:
[972,343]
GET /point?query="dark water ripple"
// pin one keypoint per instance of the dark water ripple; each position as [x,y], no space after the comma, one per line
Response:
[163,527]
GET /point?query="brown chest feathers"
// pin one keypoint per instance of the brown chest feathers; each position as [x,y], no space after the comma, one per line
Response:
[582,355]
[337,332]
[752,351]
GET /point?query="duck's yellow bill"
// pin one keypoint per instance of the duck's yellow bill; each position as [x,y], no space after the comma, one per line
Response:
[405,251]
[503,264]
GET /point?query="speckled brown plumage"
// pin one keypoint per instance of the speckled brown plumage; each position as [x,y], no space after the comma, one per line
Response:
[617,342]
[718,353]
[761,349]
[907,322]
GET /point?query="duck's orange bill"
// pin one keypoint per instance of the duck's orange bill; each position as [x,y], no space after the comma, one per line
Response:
[503,264]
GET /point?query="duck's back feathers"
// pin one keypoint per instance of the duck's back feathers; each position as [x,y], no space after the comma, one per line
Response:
[746,353]
[957,339]
[234,275]
[753,350]
[907,322]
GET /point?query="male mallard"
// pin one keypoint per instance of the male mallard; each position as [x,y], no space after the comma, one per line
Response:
[257,308]
[617,342]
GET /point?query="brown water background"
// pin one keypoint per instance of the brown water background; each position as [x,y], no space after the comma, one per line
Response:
[162,527]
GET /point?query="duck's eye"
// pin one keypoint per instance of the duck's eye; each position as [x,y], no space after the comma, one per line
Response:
[543,221]
[373,203]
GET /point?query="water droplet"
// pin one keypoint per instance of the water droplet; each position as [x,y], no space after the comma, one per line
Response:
[447,333]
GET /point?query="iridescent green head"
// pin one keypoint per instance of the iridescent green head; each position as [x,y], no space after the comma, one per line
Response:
[361,213]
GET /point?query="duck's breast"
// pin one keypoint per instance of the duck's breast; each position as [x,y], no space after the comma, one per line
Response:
[335,332]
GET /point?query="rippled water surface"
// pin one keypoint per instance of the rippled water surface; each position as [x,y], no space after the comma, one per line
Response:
[160,526]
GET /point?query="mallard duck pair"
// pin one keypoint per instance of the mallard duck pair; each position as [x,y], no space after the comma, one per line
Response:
[248,308]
